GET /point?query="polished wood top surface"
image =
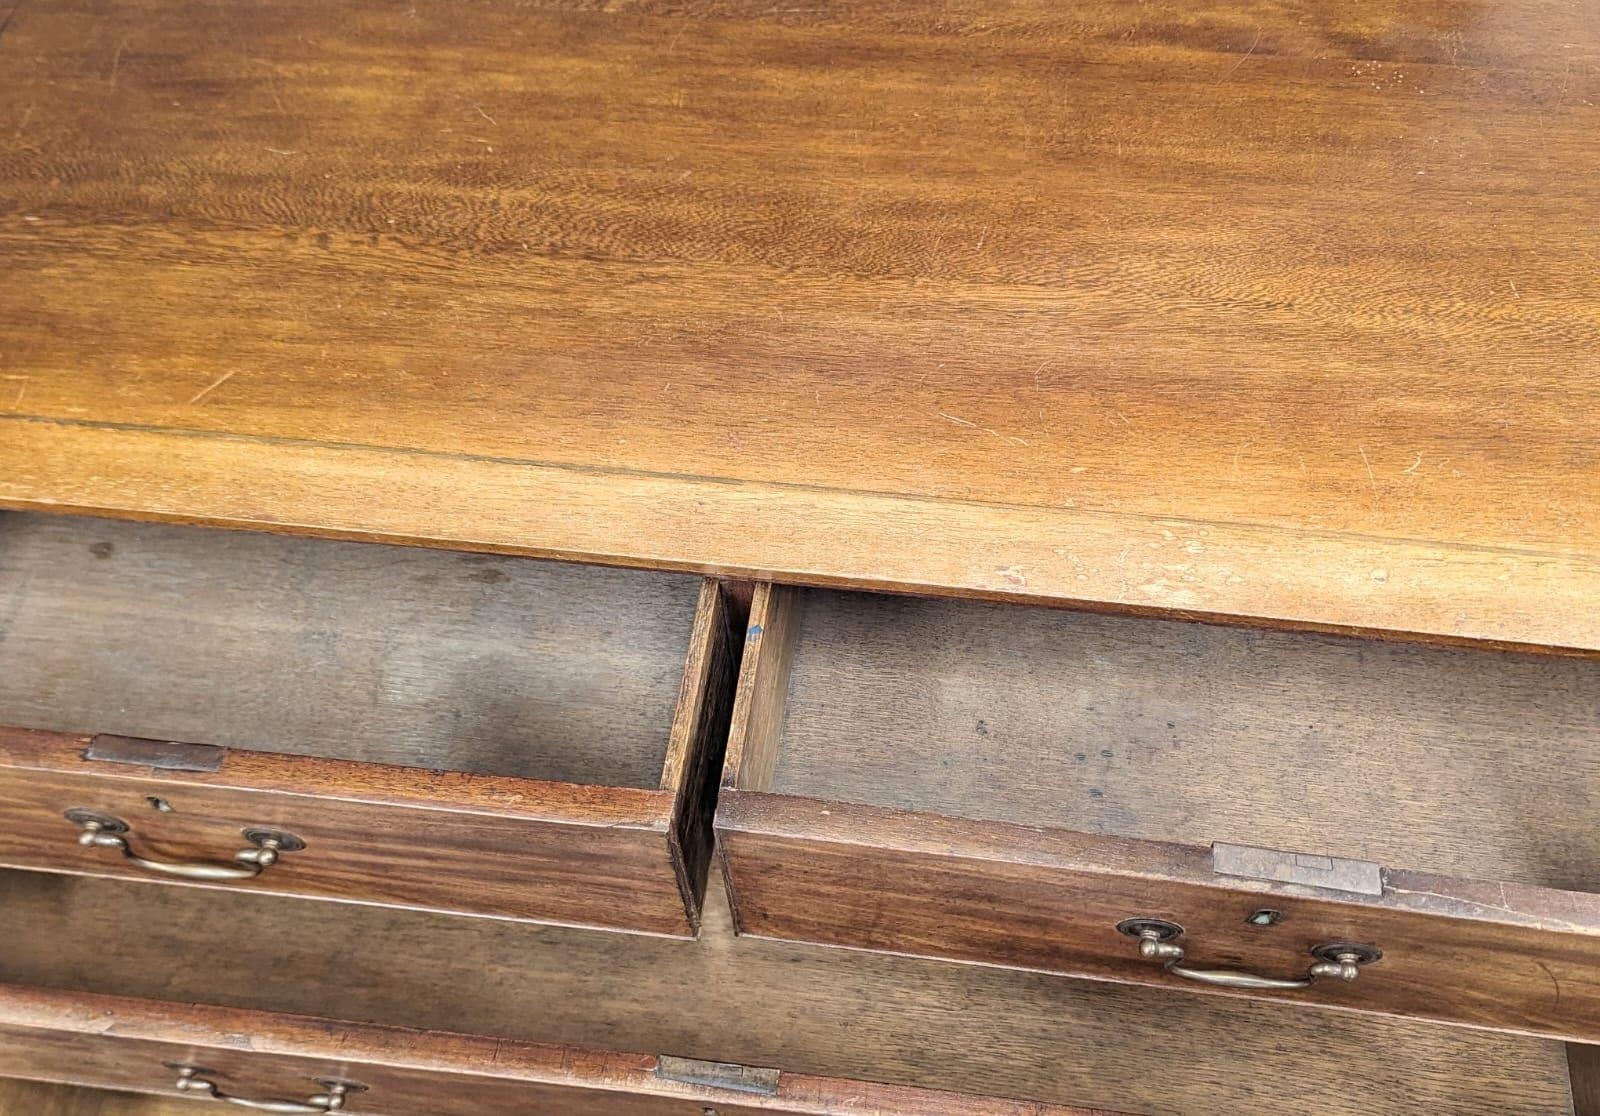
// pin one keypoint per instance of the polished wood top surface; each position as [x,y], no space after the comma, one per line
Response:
[1225,308]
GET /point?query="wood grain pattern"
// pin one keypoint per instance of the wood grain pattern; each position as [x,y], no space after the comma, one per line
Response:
[699,734]
[1483,954]
[1583,1066]
[1451,761]
[811,1009]
[756,731]
[390,655]
[128,1044]
[31,1098]
[1239,310]
[471,844]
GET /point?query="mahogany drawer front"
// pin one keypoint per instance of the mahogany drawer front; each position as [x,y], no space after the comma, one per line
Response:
[810,1009]
[148,1047]
[990,784]
[468,734]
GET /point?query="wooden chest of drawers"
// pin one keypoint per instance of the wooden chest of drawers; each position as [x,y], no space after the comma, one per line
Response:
[968,782]
[867,558]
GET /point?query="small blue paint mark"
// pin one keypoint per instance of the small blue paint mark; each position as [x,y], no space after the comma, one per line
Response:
[755,630]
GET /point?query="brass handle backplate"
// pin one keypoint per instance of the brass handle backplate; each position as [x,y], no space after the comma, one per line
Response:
[194,1079]
[1333,960]
[102,831]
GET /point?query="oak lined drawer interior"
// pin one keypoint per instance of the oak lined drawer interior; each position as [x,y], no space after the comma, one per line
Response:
[805,1008]
[381,654]
[480,734]
[1458,762]
[1388,827]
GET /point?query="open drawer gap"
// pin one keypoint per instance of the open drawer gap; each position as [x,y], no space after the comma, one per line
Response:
[1006,786]
[475,733]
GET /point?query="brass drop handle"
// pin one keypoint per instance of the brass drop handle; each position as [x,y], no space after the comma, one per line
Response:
[1334,960]
[102,831]
[191,1080]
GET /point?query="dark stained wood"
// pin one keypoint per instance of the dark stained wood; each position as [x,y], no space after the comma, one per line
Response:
[810,1009]
[1278,313]
[699,732]
[389,655]
[112,1042]
[1451,761]
[1583,1065]
[1484,954]
[474,844]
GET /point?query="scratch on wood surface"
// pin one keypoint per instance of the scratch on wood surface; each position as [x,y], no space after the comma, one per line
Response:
[205,391]
[272,87]
[1236,454]
[12,14]
[1243,59]
[1460,906]
[1371,476]
[116,59]
[1553,981]
[957,421]
[1414,465]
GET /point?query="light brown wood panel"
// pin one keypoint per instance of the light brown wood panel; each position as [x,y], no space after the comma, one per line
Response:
[1452,761]
[395,655]
[1237,310]
[1458,951]
[809,1009]
[755,733]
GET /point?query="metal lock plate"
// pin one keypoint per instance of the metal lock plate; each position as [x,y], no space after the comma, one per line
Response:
[1333,873]
[159,755]
[718,1075]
